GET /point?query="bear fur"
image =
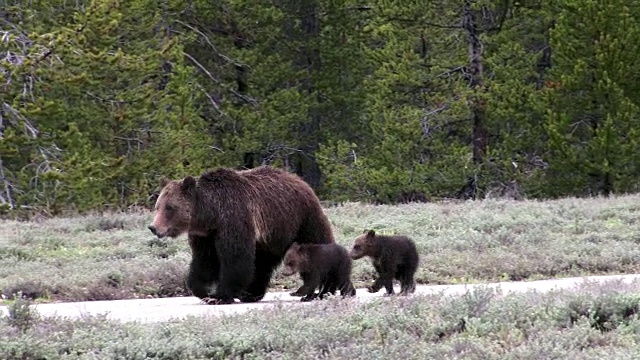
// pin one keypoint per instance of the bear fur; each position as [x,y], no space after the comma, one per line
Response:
[240,225]
[326,267]
[392,257]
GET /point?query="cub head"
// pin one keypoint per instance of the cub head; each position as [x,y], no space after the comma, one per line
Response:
[294,260]
[173,207]
[363,245]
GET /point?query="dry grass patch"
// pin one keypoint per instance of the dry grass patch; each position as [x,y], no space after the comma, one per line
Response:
[115,256]
[593,322]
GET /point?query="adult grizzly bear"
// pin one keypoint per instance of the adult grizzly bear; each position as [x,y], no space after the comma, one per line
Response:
[240,224]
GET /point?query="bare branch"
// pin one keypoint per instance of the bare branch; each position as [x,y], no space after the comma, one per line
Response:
[447,73]
[208,73]
[204,70]
[216,148]
[213,47]
[213,102]
[422,22]
[118,102]
[128,139]
[16,115]
[424,120]
[7,187]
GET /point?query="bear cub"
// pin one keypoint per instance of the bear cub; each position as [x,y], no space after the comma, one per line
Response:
[392,257]
[326,267]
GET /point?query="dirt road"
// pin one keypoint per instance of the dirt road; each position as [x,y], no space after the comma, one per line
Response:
[155,310]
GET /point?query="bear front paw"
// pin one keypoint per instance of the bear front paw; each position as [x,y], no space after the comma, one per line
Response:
[406,292]
[251,299]
[296,293]
[215,301]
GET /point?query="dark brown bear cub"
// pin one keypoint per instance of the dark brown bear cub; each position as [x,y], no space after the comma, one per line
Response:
[392,256]
[326,267]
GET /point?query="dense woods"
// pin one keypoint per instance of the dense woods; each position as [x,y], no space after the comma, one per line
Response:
[366,100]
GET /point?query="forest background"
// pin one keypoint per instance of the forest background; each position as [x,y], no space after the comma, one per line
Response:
[374,101]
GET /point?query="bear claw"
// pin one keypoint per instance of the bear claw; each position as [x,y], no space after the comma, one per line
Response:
[215,301]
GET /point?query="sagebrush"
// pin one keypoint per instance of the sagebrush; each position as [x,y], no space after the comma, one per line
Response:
[114,256]
[592,322]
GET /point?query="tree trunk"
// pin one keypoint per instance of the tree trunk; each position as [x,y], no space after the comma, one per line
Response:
[308,167]
[478,106]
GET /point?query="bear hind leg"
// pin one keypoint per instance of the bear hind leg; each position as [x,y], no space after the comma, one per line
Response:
[315,230]
[347,289]
[407,280]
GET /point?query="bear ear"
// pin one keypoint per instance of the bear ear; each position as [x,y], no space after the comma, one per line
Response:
[295,247]
[371,233]
[188,184]
[164,181]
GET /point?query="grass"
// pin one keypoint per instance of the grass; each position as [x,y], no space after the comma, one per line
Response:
[595,322]
[114,256]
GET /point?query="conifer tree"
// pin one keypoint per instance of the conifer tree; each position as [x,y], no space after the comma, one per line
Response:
[593,116]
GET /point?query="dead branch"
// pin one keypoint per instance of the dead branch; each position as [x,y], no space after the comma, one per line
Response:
[213,47]
[202,68]
[7,199]
[246,98]
[29,128]
[111,101]
[213,102]
[447,73]
[424,120]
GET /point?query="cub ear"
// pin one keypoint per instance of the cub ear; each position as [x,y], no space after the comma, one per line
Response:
[164,181]
[295,247]
[371,233]
[188,184]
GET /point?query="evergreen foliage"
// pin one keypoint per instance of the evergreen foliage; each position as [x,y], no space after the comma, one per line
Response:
[370,101]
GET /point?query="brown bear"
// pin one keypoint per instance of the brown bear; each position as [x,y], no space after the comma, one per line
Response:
[392,256]
[240,224]
[326,267]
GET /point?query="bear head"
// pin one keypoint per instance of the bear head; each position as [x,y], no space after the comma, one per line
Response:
[294,260]
[173,207]
[364,245]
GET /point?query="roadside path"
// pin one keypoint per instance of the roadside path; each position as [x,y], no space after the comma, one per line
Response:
[164,309]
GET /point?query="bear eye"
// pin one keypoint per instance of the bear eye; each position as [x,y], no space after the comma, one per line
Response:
[169,208]
[356,247]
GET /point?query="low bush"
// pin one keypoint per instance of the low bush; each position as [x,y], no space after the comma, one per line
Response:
[593,322]
[114,256]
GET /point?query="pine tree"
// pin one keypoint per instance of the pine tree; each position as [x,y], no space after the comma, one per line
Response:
[593,115]
[113,98]
[286,77]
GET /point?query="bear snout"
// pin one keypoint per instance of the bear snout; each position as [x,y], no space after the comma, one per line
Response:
[155,232]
